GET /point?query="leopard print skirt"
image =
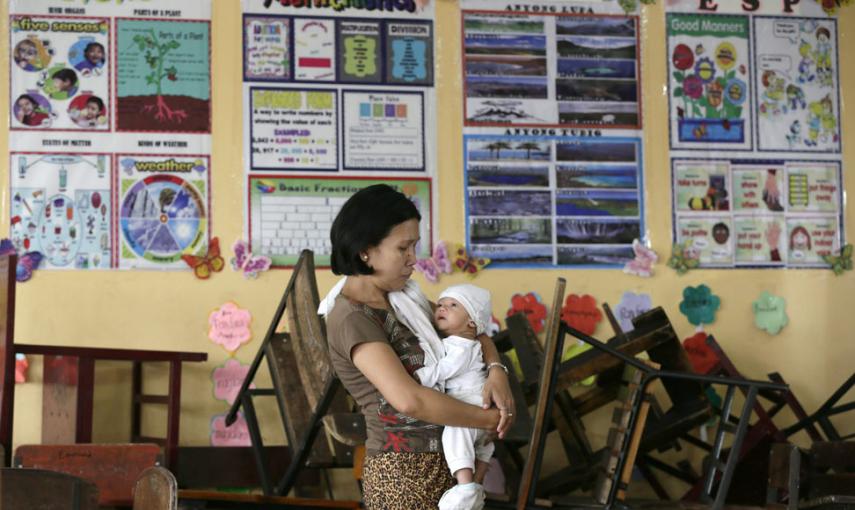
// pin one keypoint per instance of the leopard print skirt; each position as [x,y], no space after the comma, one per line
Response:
[405,481]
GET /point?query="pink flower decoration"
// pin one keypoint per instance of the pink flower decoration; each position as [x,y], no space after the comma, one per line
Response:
[236,435]
[228,380]
[531,306]
[581,312]
[229,326]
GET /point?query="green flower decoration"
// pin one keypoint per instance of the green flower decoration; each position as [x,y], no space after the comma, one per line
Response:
[699,305]
[842,262]
[770,313]
[680,258]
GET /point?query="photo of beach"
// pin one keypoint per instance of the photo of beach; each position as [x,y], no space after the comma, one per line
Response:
[510,203]
[508,150]
[597,176]
[504,176]
[596,203]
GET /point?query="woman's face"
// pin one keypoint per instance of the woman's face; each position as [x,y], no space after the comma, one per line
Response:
[394,258]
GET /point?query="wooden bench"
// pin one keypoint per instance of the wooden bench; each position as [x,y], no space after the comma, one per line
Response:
[41,489]
[113,468]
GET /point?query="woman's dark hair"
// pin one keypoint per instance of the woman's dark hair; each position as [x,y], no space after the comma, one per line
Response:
[363,222]
[65,74]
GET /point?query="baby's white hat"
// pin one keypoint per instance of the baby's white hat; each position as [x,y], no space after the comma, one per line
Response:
[475,300]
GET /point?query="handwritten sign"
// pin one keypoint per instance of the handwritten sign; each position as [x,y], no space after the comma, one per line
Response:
[770,313]
[631,306]
[230,326]
[228,380]
[699,304]
[236,435]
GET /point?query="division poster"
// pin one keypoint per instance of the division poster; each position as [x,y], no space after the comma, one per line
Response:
[553,201]
[344,94]
[92,83]
[551,69]
[758,213]
[288,214]
[709,62]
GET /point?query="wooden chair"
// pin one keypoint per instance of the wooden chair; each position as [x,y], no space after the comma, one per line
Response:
[303,383]
[45,490]
[113,468]
[156,489]
[7,353]
[822,477]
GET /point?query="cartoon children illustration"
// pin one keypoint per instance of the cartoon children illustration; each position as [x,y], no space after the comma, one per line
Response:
[93,57]
[64,84]
[795,134]
[773,94]
[29,112]
[822,124]
[799,242]
[806,74]
[823,56]
[795,97]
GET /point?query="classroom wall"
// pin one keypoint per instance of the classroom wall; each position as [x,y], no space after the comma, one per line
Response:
[169,310]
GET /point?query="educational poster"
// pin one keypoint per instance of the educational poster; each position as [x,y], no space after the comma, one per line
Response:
[288,214]
[797,84]
[334,96]
[62,207]
[547,201]
[553,68]
[163,78]
[758,213]
[293,128]
[709,91]
[163,209]
[109,103]
[58,74]
[383,130]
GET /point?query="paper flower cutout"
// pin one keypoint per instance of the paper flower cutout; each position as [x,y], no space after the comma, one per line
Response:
[701,355]
[230,327]
[464,263]
[699,305]
[631,306]
[21,366]
[581,312]
[842,262]
[770,313]
[236,435]
[228,380]
[645,258]
[438,263]
[683,257]
[532,307]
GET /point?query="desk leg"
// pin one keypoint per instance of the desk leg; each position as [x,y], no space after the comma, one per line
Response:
[173,412]
[85,388]
[59,399]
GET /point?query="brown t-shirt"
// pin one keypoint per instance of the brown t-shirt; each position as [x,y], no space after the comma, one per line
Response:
[350,324]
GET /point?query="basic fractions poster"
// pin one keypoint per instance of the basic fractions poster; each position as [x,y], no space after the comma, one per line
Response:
[552,140]
[334,92]
[757,173]
[89,84]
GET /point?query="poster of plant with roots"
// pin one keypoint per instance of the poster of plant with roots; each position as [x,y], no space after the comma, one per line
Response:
[163,81]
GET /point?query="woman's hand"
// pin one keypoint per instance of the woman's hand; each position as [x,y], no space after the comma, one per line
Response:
[497,391]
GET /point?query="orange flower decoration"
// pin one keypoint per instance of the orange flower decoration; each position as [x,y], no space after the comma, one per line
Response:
[581,312]
[701,356]
[532,307]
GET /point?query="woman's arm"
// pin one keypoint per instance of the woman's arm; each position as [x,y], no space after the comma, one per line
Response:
[497,388]
[380,365]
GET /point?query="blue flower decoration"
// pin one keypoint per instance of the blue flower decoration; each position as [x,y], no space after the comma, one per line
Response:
[699,305]
[735,91]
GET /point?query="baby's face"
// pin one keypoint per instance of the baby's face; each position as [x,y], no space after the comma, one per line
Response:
[451,318]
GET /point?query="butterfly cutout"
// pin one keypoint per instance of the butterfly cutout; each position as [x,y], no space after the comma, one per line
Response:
[464,263]
[645,258]
[27,263]
[842,262]
[245,261]
[211,262]
[683,258]
[438,263]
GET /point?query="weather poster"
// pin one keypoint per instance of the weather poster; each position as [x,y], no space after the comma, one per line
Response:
[61,207]
[551,70]
[162,209]
[553,201]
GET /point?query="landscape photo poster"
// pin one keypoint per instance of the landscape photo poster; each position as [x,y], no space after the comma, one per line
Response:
[94,86]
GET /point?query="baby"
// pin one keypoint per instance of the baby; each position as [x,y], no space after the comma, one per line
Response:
[462,313]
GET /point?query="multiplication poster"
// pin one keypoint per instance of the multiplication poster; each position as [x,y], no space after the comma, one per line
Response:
[755,134]
[344,93]
[89,85]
